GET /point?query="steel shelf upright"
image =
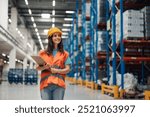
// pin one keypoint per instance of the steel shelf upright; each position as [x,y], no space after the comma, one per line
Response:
[83,44]
[112,40]
[121,45]
[93,29]
[114,45]
[76,44]
[107,41]
[71,48]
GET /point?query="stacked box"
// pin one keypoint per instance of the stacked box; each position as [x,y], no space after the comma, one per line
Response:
[101,6]
[88,5]
[79,38]
[79,20]
[15,76]
[87,48]
[101,41]
[87,43]
[133,24]
[31,76]
[87,28]
[146,11]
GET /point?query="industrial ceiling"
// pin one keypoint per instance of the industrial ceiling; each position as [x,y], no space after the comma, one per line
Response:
[37,24]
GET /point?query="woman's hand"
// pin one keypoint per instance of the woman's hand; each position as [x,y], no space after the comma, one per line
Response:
[61,71]
[43,67]
[54,70]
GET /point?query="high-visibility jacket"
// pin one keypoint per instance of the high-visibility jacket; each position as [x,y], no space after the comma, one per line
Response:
[57,61]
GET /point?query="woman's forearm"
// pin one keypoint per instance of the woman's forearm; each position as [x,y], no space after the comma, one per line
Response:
[61,71]
[42,67]
[64,71]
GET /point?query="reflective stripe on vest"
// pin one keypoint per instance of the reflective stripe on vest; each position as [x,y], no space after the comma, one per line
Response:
[56,75]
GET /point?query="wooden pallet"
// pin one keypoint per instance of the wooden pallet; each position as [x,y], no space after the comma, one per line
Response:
[89,84]
[147,95]
[80,82]
[110,90]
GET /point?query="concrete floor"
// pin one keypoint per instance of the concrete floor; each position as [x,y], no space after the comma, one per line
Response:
[31,92]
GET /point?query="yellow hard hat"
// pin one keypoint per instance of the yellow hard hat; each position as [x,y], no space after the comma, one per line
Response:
[53,30]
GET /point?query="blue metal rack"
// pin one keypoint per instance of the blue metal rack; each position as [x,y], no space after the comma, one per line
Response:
[107,41]
[121,45]
[95,27]
[83,40]
[121,54]
[77,49]
[93,60]
[71,49]
[114,41]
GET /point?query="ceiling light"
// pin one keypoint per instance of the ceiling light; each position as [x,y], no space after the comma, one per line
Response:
[64,36]
[18,32]
[3,54]
[36,30]
[67,25]
[26,1]
[37,34]
[53,25]
[39,38]
[53,2]
[53,20]
[30,12]
[53,12]
[45,30]
[68,19]
[64,33]
[34,25]
[65,29]
[45,15]
[32,19]
[28,45]
[9,20]
[70,12]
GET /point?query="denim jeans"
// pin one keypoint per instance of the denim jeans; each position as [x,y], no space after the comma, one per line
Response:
[52,92]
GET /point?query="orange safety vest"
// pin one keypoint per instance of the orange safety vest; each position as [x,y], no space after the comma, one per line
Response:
[57,61]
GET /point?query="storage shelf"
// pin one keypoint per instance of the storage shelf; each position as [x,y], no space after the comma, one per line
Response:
[136,43]
[133,5]
[87,18]
[101,26]
[136,58]
[87,38]
[136,54]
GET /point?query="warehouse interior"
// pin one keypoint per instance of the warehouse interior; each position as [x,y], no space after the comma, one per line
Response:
[107,40]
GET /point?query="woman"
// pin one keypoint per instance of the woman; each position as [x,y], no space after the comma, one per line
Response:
[52,84]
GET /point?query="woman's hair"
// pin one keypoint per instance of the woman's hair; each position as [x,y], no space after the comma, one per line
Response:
[50,46]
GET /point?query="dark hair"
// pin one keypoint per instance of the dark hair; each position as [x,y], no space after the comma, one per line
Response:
[50,46]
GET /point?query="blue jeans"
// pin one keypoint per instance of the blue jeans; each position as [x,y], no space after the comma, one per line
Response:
[52,92]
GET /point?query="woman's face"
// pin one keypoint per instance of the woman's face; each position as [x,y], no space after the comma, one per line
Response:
[56,38]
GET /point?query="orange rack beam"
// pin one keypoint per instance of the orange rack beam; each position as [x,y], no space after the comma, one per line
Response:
[136,58]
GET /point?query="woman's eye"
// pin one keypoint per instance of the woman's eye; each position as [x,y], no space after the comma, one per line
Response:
[57,35]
